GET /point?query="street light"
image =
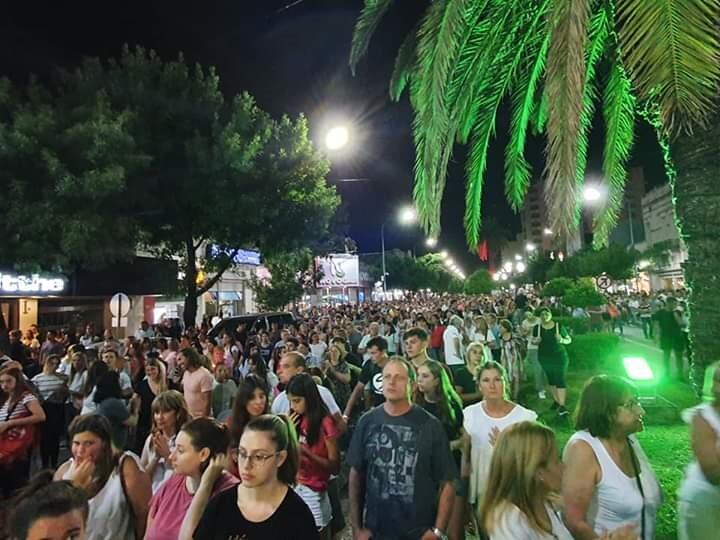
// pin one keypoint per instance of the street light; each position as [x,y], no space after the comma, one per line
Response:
[530,246]
[592,194]
[444,254]
[547,231]
[431,242]
[449,262]
[520,267]
[508,266]
[337,137]
[518,257]
[406,216]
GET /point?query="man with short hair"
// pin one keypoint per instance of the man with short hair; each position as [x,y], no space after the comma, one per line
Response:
[117,363]
[452,344]
[145,331]
[402,472]
[197,383]
[370,378]
[669,336]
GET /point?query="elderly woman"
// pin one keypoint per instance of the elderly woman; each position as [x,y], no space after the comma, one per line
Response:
[699,494]
[608,482]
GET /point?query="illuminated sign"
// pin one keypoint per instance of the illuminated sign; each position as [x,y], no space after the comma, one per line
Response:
[242,256]
[32,284]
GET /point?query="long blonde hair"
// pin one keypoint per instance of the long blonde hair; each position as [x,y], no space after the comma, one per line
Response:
[520,451]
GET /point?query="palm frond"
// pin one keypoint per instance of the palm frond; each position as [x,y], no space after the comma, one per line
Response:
[619,113]
[564,84]
[517,169]
[671,50]
[372,12]
[404,64]
[600,28]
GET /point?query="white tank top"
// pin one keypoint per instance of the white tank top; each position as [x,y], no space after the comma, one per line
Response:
[616,500]
[695,488]
[110,514]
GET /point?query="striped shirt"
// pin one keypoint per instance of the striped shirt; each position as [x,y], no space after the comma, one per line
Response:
[47,384]
[21,410]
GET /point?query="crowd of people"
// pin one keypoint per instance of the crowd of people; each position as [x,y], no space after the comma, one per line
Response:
[416,411]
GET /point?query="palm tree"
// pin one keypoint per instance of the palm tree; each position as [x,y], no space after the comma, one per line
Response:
[555,61]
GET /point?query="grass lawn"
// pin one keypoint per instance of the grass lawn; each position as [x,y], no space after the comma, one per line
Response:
[665,438]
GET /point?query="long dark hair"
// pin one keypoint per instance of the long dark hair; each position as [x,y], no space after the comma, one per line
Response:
[42,497]
[207,433]
[96,370]
[302,385]
[447,393]
[239,416]
[282,433]
[21,386]
[108,386]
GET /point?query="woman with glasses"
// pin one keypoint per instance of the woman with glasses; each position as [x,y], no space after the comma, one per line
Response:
[198,442]
[252,400]
[319,454]
[264,505]
[608,482]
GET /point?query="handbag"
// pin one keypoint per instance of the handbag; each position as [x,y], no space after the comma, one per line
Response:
[15,442]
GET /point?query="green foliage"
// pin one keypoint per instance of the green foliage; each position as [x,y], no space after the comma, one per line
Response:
[575,326]
[583,294]
[479,282]
[557,287]
[594,350]
[471,54]
[615,261]
[290,274]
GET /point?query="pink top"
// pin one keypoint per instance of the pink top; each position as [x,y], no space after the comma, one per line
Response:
[194,384]
[171,502]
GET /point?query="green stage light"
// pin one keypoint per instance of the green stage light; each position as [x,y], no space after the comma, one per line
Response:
[637,369]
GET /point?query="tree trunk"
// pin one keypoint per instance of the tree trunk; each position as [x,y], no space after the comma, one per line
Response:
[696,195]
[191,302]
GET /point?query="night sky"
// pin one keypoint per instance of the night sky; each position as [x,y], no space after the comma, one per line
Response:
[292,57]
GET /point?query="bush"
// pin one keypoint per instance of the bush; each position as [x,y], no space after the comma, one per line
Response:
[583,294]
[557,286]
[596,351]
[574,326]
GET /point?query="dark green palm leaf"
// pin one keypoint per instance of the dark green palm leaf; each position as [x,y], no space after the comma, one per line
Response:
[365,27]
[671,51]
[404,64]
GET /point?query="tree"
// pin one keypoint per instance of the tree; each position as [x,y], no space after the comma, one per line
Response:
[290,275]
[583,294]
[64,173]
[658,61]
[479,282]
[220,173]
[557,286]
[615,261]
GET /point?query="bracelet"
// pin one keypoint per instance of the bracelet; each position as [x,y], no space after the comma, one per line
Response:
[439,533]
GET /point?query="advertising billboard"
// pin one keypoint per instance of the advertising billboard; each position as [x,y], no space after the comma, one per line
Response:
[338,270]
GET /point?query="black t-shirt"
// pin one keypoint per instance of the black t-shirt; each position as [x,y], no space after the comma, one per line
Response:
[371,377]
[222,520]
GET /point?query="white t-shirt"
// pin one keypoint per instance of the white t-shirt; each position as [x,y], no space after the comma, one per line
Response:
[281,404]
[478,425]
[695,488]
[453,353]
[513,525]
[318,349]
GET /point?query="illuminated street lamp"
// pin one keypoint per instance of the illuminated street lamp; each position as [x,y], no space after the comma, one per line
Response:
[444,254]
[508,266]
[518,257]
[592,194]
[520,267]
[530,246]
[431,242]
[407,215]
[547,231]
[337,137]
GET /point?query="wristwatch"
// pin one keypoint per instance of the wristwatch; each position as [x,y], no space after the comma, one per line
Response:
[440,534]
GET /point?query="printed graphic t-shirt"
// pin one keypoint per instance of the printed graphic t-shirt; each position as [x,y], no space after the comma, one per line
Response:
[404,460]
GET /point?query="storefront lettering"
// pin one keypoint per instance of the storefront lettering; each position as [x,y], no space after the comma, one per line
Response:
[34,283]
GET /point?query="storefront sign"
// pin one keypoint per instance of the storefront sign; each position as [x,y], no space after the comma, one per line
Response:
[33,284]
[242,256]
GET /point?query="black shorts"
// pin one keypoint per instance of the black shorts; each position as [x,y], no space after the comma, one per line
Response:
[556,371]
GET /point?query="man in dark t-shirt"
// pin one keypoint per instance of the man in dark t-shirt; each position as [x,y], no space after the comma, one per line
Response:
[670,337]
[402,472]
[370,378]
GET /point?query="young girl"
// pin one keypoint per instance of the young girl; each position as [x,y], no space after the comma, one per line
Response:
[198,442]
[117,488]
[169,413]
[154,383]
[319,454]
[264,505]
[250,402]
[20,411]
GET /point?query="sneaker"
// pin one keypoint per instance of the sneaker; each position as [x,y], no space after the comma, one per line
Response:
[542,395]
[562,411]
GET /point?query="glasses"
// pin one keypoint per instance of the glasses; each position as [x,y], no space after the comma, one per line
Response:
[631,403]
[255,459]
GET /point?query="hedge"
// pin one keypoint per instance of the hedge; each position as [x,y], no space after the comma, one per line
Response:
[573,325]
[597,351]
